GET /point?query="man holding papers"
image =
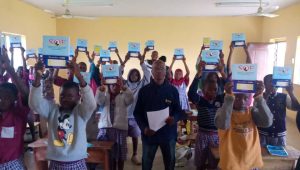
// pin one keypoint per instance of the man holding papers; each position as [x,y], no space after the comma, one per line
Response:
[157,112]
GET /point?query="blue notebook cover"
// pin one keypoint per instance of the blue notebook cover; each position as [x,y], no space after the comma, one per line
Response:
[282,76]
[244,77]
[178,53]
[277,150]
[150,44]
[15,41]
[134,47]
[86,76]
[216,45]
[238,37]
[112,44]
[30,53]
[82,45]
[105,55]
[211,59]
[110,71]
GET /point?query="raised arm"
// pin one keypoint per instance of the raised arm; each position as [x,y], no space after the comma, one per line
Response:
[186,67]
[36,100]
[248,58]
[171,67]
[88,104]
[146,49]
[23,89]
[90,58]
[229,70]
[223,115]
[221,66]
[24,59]
[120,59]
[11,49]
[192,93]
[261,113]
[291,101]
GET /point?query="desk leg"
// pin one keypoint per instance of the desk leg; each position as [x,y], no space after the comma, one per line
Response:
[106,160]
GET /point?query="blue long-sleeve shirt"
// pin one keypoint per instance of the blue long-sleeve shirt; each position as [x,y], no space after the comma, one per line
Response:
[153,97]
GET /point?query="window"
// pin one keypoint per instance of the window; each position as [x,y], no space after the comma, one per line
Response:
[277,51]
[17,52]
[297,63]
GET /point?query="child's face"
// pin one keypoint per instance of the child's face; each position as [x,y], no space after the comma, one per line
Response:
[178,74]
[69,98]
[6,100]
[269,86]
[134,76]
[241,101]
[82,67]
[210,91]
[154,55]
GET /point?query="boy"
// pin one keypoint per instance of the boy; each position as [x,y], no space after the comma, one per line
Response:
[277,102]
[67,121]
[239,140]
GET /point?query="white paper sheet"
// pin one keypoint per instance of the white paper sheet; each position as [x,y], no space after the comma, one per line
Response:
[156,119]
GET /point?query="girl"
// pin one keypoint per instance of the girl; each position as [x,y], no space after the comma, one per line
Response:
[135,83]
[13,117]
[113,120]
[181,82]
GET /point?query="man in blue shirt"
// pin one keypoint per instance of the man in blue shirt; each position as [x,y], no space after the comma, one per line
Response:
[158,95]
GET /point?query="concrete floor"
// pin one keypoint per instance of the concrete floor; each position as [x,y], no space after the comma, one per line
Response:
[293,139]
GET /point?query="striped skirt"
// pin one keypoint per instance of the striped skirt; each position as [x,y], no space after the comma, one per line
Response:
[74,165]
[17,164]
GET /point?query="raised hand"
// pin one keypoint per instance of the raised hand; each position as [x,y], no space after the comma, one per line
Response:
[259,88]
[228,88]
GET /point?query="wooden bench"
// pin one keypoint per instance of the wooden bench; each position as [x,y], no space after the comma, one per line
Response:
[273,162]
[98,153]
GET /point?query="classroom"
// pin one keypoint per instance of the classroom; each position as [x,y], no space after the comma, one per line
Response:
[137,84]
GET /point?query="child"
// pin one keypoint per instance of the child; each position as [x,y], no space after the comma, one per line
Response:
[181,84]
[237,123]
[154,57]
[67,146]
[207,106]
[113,120]
[277,102]
[13,117]
[135,83]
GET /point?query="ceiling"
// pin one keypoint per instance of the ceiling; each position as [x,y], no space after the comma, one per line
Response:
[141,8]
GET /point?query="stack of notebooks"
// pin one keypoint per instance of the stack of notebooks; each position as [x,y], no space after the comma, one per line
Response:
[277,150]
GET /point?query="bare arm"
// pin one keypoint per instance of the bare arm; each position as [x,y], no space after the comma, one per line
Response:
[248,59]
[120,59]
[229,70]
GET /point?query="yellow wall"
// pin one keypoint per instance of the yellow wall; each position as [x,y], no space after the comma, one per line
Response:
[21,18]
[286,25]
[168,33]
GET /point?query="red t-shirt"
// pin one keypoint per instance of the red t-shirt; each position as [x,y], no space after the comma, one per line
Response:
[12,130]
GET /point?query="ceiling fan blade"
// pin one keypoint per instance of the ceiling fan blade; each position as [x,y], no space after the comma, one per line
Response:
[83,17]
[268,15]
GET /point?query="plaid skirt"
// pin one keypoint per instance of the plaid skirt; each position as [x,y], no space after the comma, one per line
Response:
[204,141]
[17,164]
[119,150]
[75,165]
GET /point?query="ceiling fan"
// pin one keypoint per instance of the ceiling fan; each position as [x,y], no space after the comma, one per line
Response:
[265,12]
[264,9]
[67,12]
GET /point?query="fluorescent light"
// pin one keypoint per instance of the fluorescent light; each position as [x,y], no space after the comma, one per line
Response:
[240,4]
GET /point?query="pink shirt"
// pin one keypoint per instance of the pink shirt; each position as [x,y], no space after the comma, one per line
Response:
[12,130]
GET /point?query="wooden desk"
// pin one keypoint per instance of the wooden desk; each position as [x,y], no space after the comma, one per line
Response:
[273,162]
[98,153]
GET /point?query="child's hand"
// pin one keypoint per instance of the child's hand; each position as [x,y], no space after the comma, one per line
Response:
[93,56]
[259,88]
[183,59]
[170,120]
[149,132]
[231,47]
[38,71]
[146,49]
[73,67]
[221,65]
[200,68]
[127,56]
[290,89]
[22,51]
[11,50]
[228,88]
[116,51]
